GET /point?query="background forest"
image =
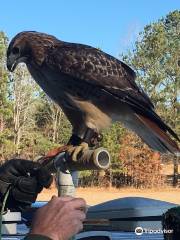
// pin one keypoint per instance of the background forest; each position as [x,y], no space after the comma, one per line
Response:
[31,124]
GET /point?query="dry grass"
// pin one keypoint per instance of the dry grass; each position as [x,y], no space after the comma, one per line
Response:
[98,195]
[167,169]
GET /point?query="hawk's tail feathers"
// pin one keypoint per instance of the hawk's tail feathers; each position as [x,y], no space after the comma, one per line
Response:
[154,136]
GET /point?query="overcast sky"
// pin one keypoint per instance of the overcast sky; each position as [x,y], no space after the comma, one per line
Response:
[112,25]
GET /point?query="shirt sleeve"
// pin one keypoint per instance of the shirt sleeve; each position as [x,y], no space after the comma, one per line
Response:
[36,237]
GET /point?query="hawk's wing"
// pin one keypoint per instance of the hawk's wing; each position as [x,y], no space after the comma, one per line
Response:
[98,68]
[85,63]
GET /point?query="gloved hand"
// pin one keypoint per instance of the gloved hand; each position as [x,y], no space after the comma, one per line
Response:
[26,179]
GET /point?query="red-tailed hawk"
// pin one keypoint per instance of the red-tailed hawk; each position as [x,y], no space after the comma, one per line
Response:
[92,87]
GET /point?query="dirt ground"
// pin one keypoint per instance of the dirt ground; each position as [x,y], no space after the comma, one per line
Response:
[98,195]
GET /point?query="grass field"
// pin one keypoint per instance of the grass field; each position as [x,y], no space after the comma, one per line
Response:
[98,195]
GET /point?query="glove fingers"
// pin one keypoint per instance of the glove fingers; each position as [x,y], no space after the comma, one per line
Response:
[26,167]
[24,197]
[44,177]
[27,185]
[17,167]
[20,167]
[24,186]
[23,193]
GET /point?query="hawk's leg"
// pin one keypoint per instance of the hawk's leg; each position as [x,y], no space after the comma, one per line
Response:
[78,145]
[77,151]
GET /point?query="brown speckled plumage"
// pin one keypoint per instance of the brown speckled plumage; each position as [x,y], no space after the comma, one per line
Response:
[92,87]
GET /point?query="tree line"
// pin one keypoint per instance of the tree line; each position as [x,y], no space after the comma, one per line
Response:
[31,124]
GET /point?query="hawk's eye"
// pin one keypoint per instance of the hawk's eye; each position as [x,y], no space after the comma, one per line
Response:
[15,50]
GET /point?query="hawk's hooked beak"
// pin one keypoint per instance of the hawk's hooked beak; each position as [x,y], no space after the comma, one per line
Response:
[11,65]
[12,62]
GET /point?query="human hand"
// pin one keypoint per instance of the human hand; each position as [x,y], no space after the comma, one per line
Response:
[26,179]
[60,219]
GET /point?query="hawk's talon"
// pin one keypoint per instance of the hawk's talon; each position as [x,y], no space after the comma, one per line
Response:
[96,139]
[75,151]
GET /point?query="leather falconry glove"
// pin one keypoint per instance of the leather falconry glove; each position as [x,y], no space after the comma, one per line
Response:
[25,179]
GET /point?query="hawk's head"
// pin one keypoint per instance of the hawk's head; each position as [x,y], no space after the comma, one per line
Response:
[28,46]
